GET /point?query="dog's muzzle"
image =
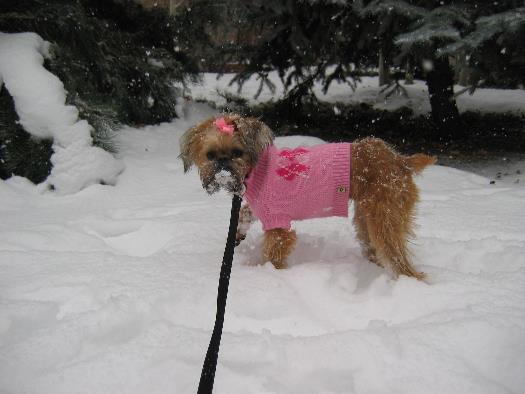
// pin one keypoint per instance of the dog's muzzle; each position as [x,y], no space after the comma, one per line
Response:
[225,178]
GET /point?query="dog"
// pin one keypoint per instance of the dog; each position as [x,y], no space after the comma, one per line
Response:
[237,154]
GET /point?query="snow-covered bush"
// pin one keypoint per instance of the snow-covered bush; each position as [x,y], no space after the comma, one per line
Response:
[114,58]
[117,61]
[40,102]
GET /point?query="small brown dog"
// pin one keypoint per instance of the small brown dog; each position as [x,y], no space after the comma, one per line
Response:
[234,153]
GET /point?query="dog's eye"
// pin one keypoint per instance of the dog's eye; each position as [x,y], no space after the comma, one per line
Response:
[211,155]
[236,153]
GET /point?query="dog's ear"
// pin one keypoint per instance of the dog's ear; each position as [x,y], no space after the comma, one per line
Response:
[255,135]
[189,141]
[186,147]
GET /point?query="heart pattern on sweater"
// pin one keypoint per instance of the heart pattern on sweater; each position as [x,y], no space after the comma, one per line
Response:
[291,163]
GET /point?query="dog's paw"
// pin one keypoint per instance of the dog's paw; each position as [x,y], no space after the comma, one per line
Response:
[280,265]
[239,238]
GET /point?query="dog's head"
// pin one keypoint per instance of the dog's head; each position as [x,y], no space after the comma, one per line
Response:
[224,150]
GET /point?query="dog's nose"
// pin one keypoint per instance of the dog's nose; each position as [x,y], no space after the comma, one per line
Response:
[223,162]
[223,157]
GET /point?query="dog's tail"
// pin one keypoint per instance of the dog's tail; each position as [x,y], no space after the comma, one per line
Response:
[419,161]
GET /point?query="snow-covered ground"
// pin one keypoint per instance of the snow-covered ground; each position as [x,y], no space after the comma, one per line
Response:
[112,290]
[368,91]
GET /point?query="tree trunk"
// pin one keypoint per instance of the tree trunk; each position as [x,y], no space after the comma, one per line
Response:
[384,70]
[440,84]
[462,76]
[409,73]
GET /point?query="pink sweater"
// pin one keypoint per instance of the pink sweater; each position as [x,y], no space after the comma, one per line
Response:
[303,183]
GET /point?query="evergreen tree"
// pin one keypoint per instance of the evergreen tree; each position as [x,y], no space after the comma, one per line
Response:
[385,19]
[119,63]
[305,41]
[477,31]
[322,40]
[18,148]
[437,28]
[325,41]
[112,53]
[493,48]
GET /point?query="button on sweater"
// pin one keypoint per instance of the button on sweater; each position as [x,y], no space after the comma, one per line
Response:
[301,183]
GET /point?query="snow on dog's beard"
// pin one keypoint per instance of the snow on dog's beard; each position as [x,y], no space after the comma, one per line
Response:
[215,178]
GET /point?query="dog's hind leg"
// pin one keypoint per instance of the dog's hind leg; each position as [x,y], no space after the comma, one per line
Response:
[362,235]
[385,196]
[389,231]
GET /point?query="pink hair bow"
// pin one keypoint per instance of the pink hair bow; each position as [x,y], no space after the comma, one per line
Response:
[223,127]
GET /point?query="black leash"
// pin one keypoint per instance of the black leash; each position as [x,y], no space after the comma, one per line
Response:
[210,361]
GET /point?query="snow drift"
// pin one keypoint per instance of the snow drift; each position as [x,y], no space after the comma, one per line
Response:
[40,99]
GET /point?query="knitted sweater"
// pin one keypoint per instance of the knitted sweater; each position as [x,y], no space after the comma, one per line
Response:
[303,183]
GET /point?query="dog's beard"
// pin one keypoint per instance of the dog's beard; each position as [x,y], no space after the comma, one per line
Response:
[215,179]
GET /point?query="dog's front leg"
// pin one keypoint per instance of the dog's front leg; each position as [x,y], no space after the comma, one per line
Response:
[278,244]
[246,218]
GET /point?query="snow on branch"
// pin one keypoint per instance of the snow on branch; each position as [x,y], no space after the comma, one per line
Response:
[489,27]
[427,33]
[443,23]
[382,7]
[40,102]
